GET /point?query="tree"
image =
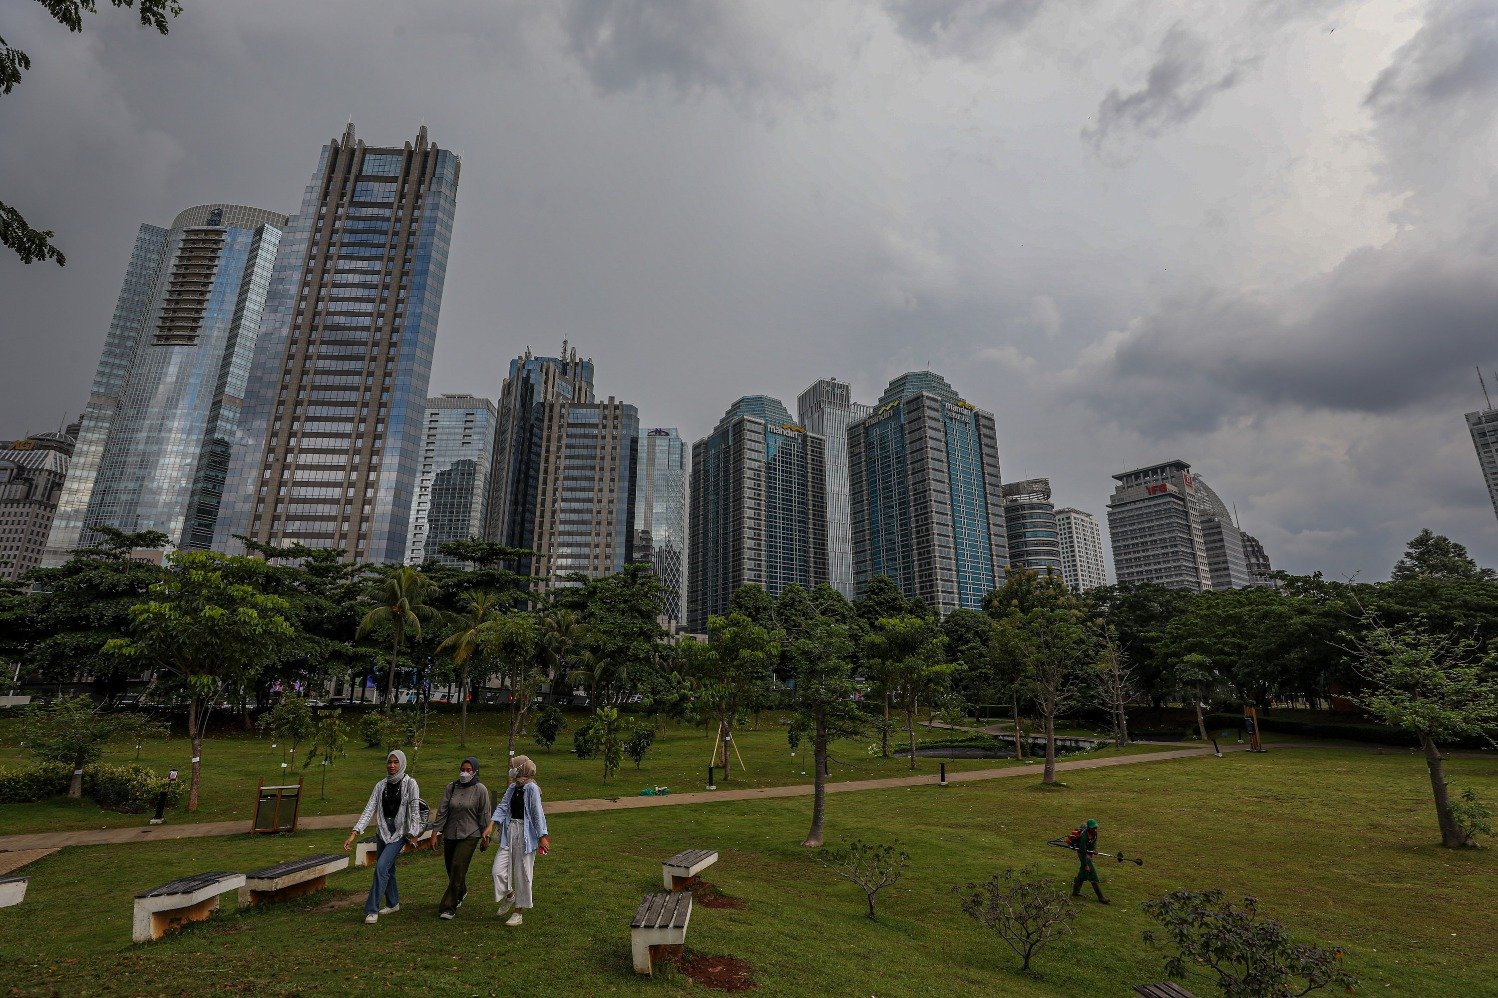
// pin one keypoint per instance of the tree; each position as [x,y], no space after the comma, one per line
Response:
[329,739]
[1051,634]
[202,630]
[549,724]
[620,616]
[1252,956]
[872,866]
[510,641]
[562,635]
[910,652]
[72,732]
[290,721]
[818,651]
[641,737]
[1116,682]
[1437,686]
[403,597]
[1196,678]
[1024,910]
[1430,555]
[479,609]
[737,661]
[33,244]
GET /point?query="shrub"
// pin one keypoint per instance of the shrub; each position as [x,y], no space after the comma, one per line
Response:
[39,782]
[381,730]
[872,866]
[128,786]
[1472,815]
[1024,910]
[585,741]
[549,723]
[641,737]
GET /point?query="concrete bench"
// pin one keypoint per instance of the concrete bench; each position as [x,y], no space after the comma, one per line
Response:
[1165,990]
[173,905]
[659,926]
[364,849]
[285,881]
[12,890]
[680,871]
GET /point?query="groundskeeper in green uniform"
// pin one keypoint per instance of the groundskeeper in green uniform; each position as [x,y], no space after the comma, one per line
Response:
[1084,839]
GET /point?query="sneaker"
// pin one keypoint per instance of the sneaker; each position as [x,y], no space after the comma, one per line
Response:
[506,904]
[391,910]
[514,919]
[371,919]
[445,916]
[460,902]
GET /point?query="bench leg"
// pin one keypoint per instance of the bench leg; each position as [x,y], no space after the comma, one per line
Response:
[250,897]
[159,923]
[640,950]
[675,883]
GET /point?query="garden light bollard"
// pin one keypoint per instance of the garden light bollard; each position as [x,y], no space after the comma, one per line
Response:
[711,784]
[943,773]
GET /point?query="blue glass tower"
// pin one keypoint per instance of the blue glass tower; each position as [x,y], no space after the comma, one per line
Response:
[925,501]
[153,448]
[330,445]
[452,492]
[661,513]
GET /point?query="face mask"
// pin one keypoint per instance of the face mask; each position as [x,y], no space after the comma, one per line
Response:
[465,777]
[513,773]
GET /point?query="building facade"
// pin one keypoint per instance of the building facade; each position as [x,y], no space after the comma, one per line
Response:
[661,515]
[925,498]
[758,508]
[32,473]
[1483,426]
[1260,572]
[330,446]
[1155,528]
[1030,525]
[154,441]
[452,489]
[1081,542]
[1227,561]
[827,408]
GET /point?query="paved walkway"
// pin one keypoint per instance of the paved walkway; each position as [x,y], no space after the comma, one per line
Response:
[155,833]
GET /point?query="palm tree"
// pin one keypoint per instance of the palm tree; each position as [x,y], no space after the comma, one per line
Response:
[479,610]
[562,631]
[402,603]
[596,673]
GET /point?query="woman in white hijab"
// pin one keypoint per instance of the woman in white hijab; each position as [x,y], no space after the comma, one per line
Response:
[394,801]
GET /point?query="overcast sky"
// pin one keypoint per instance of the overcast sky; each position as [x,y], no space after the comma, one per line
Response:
[1262,238]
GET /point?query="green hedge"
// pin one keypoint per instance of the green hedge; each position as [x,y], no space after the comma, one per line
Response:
[131,786]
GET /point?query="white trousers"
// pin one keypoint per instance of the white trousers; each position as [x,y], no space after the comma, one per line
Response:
[514,868]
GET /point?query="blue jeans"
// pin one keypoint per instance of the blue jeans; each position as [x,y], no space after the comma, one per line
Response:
[384,886]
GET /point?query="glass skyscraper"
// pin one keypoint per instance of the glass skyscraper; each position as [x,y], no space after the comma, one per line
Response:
[1483,425]
[758,509]
[330,445]
[452,490]
[827,407]
[661,513]
[925,498]
[154,441]
[1030,524]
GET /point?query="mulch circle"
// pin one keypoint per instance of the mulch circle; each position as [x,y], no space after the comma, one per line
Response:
[725,973]
[709,896]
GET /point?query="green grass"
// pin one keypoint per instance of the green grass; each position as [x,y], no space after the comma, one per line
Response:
[233,765]
[1337,843]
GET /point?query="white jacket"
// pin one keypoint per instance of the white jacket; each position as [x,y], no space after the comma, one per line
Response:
[407,820]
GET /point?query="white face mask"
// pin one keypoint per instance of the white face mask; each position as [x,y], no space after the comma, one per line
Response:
[514,773]
[465,777]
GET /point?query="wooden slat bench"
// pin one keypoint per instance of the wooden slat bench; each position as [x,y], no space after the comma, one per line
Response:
[1165,990]
[292,879]
[659,926]
[173,905]
[680,871]
[12,890]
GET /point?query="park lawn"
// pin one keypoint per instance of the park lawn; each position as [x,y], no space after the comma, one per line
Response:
[233,765]
[1337,843]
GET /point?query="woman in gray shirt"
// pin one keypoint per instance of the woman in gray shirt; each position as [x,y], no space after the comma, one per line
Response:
[460,821]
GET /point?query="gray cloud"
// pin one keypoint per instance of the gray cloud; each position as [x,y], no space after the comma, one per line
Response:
[965,29]
[1180,83]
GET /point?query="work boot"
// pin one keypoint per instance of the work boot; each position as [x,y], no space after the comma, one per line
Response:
[1098,890]
[1076,888]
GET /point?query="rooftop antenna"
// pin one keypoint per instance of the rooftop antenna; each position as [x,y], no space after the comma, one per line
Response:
[1487,402]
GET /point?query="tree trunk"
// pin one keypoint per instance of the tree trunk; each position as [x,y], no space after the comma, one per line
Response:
[910,730]
[1050,747]
[195,734]
[1019,743]
[395,648]
[1201,722]
[463,709]
[514,723]
[819,785]
[884,732]
[1452,836]
[75,785]
[871,905]
[726,731]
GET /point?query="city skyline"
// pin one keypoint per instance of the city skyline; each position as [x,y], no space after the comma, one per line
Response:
[705,189]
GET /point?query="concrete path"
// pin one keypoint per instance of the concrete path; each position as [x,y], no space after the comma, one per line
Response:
[156,833]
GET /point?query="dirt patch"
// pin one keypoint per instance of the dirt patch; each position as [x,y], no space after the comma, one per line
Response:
[709,896]
[10,862]
[724,973]
[339,902]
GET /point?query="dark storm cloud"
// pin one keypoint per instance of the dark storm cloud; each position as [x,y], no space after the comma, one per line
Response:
[1181,82]
[965,29]
[1452,62]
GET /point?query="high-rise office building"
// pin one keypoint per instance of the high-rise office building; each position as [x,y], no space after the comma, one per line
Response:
[1081,541]
[1483,425]
[661,514]
[330,445]
[154,441]
[1260,572]
[1154,524]
[32,472]
[925,499]
[758,509]
[563,484]
[452,490]
[827,408]
[1226,560]
[1030,524]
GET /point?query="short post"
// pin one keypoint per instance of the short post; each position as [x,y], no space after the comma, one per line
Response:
[711,785]
[160,808]
[943,773]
